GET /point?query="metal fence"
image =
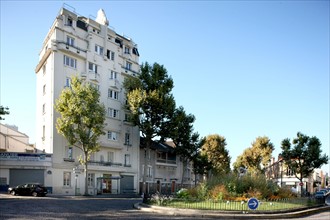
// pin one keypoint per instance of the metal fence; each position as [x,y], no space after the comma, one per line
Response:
[263,205]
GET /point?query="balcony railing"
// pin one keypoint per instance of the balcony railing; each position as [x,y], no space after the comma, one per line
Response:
[67,45]
[68,159]
[166,161]
[126,70]
[104,163]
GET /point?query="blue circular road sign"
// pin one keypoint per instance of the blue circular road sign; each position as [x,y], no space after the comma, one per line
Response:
[253,203]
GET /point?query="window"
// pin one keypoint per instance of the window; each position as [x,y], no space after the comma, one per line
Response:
[128,65]
[70,41]
[113,75]
[91,179]
[110,55]
[127,137]
[113,113]
[70,152]
[149,174]
[44,69]
[101,158]
[43,132]
[44,109]
[82,25]
[92,67]
[92,158]
[68,82]
[44,90]
[69,61]
[112,94]
[66,178]
[69,21]
[98,49]
[126,117]
[110,156]
[127,160]
[112,135]
[127,50]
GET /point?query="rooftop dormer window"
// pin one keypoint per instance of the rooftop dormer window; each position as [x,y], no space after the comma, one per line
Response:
[69,21]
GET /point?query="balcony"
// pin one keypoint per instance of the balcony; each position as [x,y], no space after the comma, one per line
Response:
[129,72]
[94,76]
[164,162]
[68,160]
[69,48]
[104,163]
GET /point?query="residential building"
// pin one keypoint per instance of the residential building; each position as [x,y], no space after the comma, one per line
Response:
[167,172]
[20,162]
[90,49]
[280,173]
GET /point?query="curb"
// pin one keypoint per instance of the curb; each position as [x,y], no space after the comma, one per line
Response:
[227,214]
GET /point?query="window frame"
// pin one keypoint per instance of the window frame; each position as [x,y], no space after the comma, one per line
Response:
[112,136]
[113,113]
[67,179]
[70,62]
[70,40]
[113,94]
[99,49]
[92,67]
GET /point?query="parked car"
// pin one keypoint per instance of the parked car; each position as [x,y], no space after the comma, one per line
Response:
[326,191]
[28,189]
[319,195]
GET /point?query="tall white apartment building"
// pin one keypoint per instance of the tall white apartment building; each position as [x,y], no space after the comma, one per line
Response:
[89,48]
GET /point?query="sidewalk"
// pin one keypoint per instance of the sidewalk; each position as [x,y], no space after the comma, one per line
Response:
[229,214]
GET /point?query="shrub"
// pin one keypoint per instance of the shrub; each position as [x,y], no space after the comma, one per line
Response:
[219,192]
[182,193]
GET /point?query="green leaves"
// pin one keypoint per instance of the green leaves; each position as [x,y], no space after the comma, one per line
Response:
[150,100]
[303,155]
[214,147]
[258,154]
[82,117]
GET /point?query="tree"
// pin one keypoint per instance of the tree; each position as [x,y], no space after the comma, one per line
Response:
[81,119]
[151,104]
[256,157]
[3,111]
[303,155]
[214,147]
[185,139]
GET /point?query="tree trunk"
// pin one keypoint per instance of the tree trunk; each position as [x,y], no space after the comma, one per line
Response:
[183,169]
[86,174]
[145,169]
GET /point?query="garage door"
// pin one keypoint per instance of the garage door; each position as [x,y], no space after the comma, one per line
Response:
[21,176]
[127,184]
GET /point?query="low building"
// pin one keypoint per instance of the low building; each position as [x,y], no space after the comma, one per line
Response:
[166,171]
[19,161]
[11,140]
[285,177]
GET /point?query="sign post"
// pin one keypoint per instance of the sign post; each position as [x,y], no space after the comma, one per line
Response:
[253,203]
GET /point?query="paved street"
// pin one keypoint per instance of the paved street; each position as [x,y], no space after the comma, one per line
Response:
[52,207]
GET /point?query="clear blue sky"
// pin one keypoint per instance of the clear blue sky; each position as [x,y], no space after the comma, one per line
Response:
[243,68]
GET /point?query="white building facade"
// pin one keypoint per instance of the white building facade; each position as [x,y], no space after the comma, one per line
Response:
[167,172]
[76,45]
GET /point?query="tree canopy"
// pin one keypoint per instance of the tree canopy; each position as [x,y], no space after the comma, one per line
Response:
[151,104]
[255,157]
[214,147]
[303,155]
[182,133]
[150,101]
[3,111]
[81,119]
